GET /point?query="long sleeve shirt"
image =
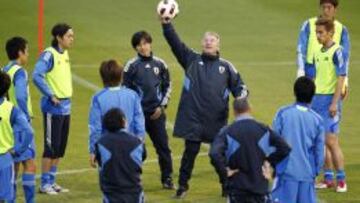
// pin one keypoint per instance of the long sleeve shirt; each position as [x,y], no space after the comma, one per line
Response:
[115,97]
[304,130]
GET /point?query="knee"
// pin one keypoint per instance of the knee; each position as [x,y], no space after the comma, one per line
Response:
[331,142]
[30,167]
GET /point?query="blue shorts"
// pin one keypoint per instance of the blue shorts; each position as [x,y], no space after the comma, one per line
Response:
[28,154]
[7,180]
[292,191]
[320,104]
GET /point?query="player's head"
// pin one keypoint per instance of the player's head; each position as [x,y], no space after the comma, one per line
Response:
[17,49]
[241,106]
[63,36]
[5,83]
[328,8]
[304,90]
[211,43]
[141,42]
[324,30]
[111,73]
[114,120]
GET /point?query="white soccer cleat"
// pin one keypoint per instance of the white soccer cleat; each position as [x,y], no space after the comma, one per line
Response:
[341,187]
[324,185]
[48,189]
[59,189]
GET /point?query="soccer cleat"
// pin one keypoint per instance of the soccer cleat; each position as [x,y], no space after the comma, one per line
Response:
[59,189]
[341,186]
[325,184]
[180,193]
[48,189]
[168,184]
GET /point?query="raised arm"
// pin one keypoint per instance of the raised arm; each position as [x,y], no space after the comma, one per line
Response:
[183,54]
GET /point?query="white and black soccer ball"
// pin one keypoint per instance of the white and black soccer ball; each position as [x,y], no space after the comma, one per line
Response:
[168,9]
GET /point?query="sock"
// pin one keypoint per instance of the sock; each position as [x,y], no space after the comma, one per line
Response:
[28,181]
[340,175]
[45,179]
[328,175]
[52,173]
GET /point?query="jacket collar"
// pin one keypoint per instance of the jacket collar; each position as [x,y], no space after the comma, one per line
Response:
[208,57]
[245,116]
[145,58]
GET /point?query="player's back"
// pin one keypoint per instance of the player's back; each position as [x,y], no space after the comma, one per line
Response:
[120,157]
[118,97]
[302,128]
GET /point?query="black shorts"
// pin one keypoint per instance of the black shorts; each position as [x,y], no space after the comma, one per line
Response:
[56,132]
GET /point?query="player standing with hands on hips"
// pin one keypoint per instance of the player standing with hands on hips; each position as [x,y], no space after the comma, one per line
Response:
[52,76]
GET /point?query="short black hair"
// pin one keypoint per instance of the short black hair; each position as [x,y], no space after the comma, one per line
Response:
[60,30]
[335,3]
[111,73]
[138,36]
[241,105]
[114,120]
[14,45]
[304,89]
[5,83]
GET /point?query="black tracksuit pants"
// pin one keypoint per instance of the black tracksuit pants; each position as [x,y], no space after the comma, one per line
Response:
[192,149]
[159,137]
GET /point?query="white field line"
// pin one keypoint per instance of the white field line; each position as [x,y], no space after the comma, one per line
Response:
[84,170]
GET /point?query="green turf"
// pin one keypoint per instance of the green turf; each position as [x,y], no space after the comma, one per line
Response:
[256,36]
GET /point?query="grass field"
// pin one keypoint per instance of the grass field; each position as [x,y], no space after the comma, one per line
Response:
[258,36]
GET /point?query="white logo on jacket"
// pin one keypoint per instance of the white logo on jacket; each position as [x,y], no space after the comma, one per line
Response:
[221,69]
[156,70]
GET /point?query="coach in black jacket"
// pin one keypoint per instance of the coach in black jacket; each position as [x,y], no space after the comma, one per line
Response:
[203,108]
[240,151]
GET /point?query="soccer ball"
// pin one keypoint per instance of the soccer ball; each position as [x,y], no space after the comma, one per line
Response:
[168,9]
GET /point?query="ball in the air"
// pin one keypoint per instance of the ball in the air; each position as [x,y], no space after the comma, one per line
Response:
[168,9]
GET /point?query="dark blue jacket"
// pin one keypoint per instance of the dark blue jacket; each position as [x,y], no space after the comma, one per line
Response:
[209,80]
[245,145]
[120,156]
[149,77]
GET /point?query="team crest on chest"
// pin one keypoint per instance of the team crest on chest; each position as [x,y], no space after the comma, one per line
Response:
[221,69]
[156,70]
